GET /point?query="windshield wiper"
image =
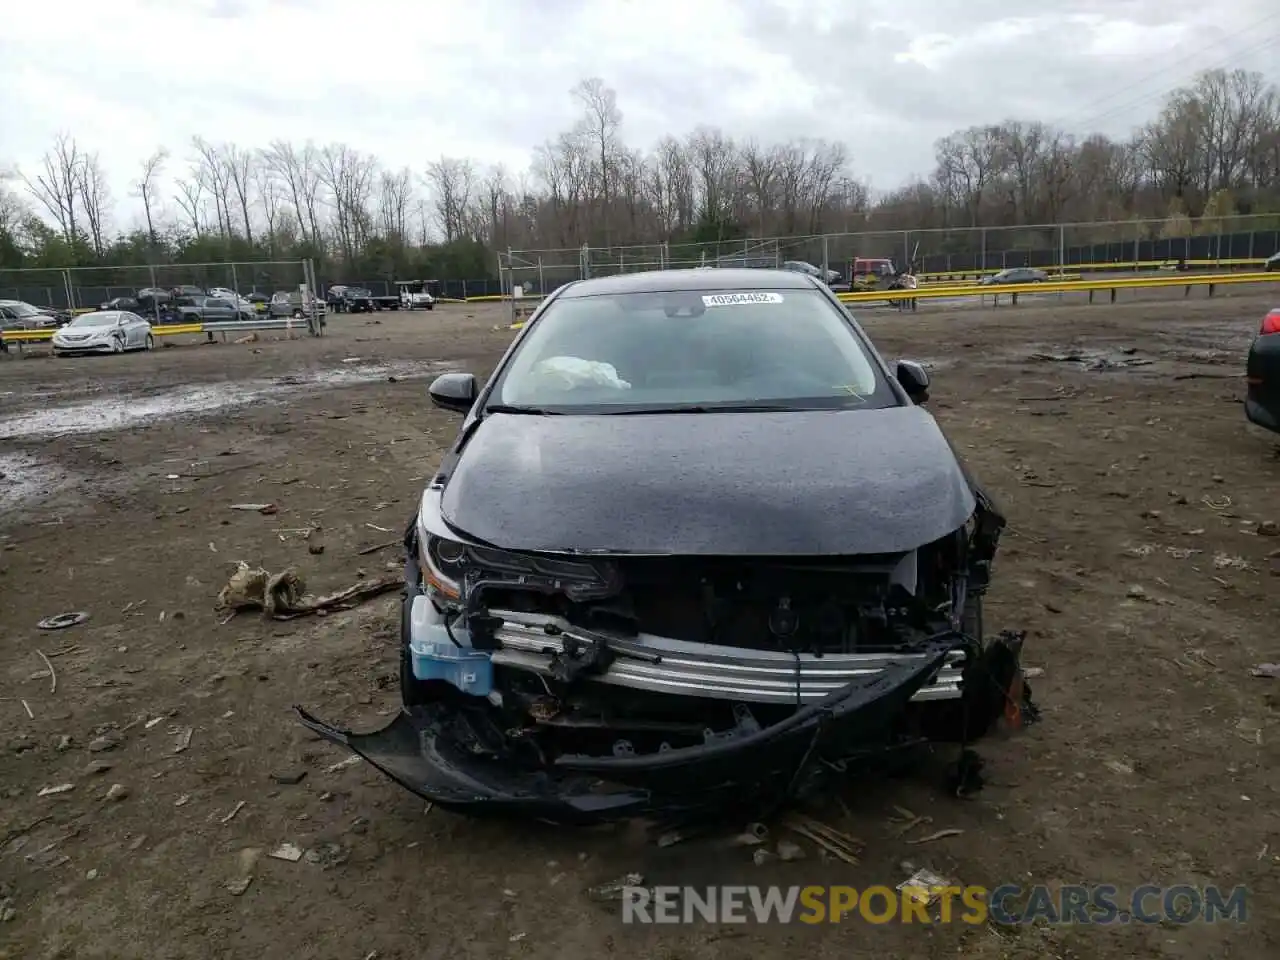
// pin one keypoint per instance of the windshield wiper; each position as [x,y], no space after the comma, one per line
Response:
[516,408]
[699,408]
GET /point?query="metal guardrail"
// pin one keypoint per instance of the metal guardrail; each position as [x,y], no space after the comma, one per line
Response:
[277,323]
[1066,286]
[21,337]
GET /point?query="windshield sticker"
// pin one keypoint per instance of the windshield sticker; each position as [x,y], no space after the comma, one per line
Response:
[729,299]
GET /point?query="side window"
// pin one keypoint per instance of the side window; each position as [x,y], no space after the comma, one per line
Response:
[217,303]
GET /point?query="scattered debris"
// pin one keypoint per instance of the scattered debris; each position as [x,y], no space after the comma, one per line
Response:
[116,792]
[1223,561]
[924,886]
[374,526]
[55,790]
[938,835]
[234,810]
[762,855]
[1269,528]
[788,851]
[286,851]
[1116,766]
[378,546]
[1269,670]
[612,890]
[96,767]
[182,801]
[283,596]
[27,707]
[289,779]
[184,740]
[60,621]
[754,835]
[53,675]
[351,761]
[326,855]
[267,509]
[108,741]
[1136,592]
[839,845]
[238,887]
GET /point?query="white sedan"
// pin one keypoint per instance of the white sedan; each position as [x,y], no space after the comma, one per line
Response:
[105,331]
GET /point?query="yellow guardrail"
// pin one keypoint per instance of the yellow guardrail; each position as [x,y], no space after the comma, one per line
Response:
[1100,267]
[35,336]
[1065,286]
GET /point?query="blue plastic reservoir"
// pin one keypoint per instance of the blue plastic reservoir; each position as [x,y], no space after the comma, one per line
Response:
[436,657]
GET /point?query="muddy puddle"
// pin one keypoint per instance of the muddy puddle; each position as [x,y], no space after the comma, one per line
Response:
[120,412]
[25,480]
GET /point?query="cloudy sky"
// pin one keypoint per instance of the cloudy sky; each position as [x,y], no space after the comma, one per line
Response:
[410,80]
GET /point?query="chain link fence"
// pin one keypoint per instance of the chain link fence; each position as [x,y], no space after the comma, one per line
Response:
[86,288]
[1235,241]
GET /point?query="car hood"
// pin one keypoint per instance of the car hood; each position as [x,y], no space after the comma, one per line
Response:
[803,483]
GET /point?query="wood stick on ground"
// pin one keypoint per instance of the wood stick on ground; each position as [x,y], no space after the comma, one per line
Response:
[53,674]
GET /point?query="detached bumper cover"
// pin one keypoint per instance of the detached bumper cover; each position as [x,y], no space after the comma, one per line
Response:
[434,751]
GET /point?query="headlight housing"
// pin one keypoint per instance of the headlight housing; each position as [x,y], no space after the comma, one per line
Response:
[446,564]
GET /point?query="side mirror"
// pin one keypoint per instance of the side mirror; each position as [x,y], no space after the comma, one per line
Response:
[914,379]
[454,391]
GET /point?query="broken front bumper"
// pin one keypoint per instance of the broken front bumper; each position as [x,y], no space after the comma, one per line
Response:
[434,750]
[663,665]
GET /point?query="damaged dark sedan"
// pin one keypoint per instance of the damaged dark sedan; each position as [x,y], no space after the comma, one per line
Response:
[696,550]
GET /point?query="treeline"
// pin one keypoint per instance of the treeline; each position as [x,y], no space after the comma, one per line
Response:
[1212,151]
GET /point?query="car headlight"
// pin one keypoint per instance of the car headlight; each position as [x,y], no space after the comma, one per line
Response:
[445,564]
[443,567]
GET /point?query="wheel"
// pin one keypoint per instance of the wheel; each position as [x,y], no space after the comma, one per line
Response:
[117,346]
[297,314]
[149,343]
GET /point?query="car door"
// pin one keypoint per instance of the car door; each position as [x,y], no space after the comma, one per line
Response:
[135,327]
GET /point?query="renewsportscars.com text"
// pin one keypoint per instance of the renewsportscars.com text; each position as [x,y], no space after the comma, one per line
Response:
[1007,904]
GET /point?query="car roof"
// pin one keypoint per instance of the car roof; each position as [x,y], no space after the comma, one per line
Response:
[666,281]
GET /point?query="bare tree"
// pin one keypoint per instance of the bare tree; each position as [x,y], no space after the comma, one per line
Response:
[349,176]
[238,169]
[145,188]
[298,170]
[451,181]
[57,187]
[95,200]
[600,125]
[395,193]
[190,199]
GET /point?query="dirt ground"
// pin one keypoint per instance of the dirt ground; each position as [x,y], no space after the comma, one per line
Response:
[1138,558]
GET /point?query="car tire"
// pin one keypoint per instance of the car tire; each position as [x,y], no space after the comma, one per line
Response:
[149,343]
[117,346]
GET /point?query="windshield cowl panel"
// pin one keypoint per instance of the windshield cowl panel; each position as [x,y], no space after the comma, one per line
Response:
[702,351]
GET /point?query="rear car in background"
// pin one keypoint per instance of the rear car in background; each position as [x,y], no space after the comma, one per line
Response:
[103,331]
[414,295]
[1262,371]
[344,299]
[1014,275]
[293,304]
